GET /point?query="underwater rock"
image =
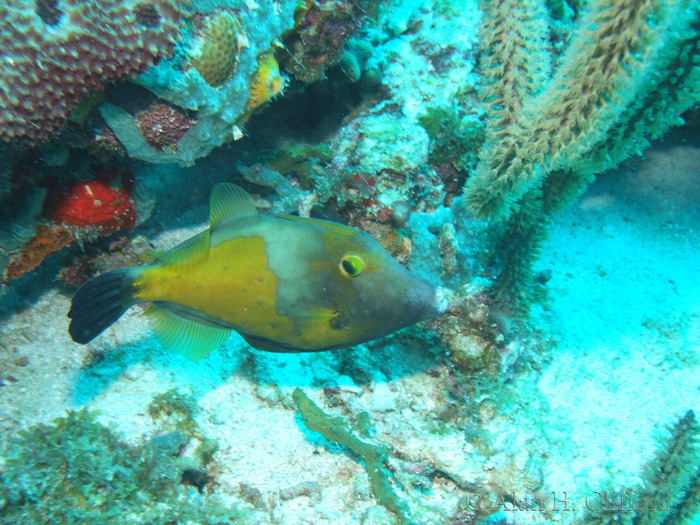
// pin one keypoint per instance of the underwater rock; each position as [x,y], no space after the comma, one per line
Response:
[210,75]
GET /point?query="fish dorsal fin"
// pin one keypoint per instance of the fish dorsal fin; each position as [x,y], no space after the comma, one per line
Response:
[229,202]
[194,250]
[184,336]
[329,225]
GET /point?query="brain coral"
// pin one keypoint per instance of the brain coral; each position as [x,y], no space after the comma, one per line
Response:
[56,51]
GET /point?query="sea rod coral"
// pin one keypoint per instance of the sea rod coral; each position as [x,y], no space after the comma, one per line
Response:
[670,494]
[628,73]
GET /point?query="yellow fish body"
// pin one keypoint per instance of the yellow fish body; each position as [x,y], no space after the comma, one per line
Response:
[286,284]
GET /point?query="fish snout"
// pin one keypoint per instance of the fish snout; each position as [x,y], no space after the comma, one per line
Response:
[425,300]
[436,303]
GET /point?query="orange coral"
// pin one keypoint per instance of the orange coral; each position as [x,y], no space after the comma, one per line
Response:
[48,240]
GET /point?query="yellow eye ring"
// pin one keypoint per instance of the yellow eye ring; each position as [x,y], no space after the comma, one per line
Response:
[351,266]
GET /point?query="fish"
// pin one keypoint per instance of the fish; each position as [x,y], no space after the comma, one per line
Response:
[284,283]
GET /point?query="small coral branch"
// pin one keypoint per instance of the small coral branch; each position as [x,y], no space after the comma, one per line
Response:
[515,61]
[673,472]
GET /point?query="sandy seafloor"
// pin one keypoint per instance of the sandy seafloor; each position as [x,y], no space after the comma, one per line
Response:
[623,361]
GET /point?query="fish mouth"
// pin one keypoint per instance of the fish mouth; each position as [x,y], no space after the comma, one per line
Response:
[435,303]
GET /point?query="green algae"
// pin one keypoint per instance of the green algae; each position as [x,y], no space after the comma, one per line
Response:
[175,410]
[374,457]
[454,139]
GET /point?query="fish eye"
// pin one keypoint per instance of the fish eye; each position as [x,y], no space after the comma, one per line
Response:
[352,266]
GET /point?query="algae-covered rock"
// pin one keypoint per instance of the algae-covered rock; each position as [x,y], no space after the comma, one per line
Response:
[79,471]
[210,74]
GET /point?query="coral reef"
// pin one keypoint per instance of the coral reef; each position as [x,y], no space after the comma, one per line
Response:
[318,41]
[209,77]
[472,338]
[57,53]
[626,76]
[219,49]
[368,166]
[454,138]
[448,422]
[48,219]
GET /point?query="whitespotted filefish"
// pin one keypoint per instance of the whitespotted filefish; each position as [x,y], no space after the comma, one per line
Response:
[285,283]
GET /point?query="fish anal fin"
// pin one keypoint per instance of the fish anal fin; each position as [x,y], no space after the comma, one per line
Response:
[189,338]
[229,202]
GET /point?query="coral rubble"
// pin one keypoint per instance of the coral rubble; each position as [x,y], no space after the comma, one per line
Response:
[48,240]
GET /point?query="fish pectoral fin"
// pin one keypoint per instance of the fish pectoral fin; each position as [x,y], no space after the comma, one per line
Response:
[189,338]
[321,327]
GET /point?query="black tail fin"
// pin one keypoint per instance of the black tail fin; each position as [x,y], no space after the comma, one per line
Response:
[99,303]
